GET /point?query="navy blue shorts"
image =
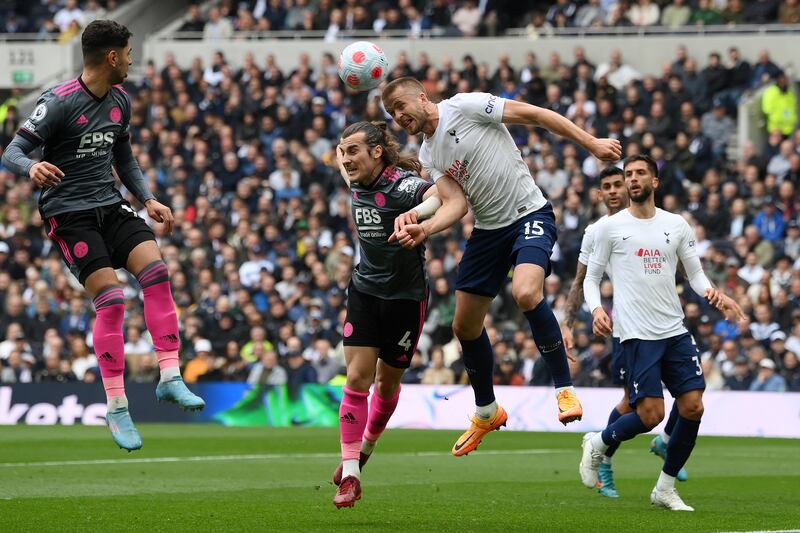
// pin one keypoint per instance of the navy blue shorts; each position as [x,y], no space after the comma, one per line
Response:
[490,254]
[618,369]
[675,361]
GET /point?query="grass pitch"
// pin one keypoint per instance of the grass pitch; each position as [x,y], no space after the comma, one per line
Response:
[212,478]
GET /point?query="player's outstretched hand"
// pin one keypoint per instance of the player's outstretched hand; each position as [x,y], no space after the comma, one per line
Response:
[45,174]
[726,304]
[569,342]
[411,236]
[409,217]
[160,213]
[601,324]
[608,150]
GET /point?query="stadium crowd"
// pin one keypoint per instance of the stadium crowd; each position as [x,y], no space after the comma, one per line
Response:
[263,248]
[59,20]
[222,20]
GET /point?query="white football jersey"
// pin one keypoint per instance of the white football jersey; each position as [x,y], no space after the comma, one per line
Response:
[644,255]
[472,145]
[587,246]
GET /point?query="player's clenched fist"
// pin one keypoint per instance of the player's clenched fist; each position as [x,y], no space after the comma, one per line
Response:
[45,174]
[601,324]
[160,213]
[607,149]
[409,217]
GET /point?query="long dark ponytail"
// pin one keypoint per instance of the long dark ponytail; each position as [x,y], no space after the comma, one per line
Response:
[377,134]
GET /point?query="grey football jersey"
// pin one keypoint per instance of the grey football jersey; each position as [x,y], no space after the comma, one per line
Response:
[387,270]
[78,131]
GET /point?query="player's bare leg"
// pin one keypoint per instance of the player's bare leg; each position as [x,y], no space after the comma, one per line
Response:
[681,443]
[353,415]
[527,288]
[109,347]
[146,264]
[478,356]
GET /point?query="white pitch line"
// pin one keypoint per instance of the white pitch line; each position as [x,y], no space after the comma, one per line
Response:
[258,457]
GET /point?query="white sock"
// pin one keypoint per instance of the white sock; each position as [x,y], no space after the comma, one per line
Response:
[569,388]
[665,482]
[597,442]
[117,401]
[606,460]
[665,437]
[350,468]
[486,411]
[169,373]
[367,446]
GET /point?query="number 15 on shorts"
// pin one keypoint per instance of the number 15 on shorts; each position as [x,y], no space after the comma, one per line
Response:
[533,229]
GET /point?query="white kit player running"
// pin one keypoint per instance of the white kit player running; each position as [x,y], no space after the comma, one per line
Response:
[467,148]
[643,245]
[614,196]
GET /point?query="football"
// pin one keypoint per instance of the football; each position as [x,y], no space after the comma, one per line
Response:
[363,65]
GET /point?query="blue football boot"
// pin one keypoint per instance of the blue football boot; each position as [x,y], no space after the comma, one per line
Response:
[175,391]
[659,448]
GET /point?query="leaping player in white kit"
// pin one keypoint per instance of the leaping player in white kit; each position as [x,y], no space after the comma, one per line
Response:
[642,245]
[468,150]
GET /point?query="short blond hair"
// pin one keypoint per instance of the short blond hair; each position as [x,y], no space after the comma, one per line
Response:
[402,83]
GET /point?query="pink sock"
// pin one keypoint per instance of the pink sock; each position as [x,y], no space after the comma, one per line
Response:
[352,421]
[380,411]
[109,346]
[159,313]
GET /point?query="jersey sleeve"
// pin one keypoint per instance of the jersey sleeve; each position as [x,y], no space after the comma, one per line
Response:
[424,159]
[480,107]
[601,246]
[44,121]
[126,118]
[688,245]
[587,245]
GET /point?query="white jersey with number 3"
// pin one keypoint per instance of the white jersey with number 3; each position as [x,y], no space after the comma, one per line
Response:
[644,255]
[472,145]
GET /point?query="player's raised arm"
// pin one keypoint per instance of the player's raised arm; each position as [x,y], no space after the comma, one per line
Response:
[515,112]
[601,323]
[453,208]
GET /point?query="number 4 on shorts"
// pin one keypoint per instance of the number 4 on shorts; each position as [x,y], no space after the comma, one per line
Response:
[405,342]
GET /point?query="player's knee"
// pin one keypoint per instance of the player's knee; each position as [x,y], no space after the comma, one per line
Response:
[624,407]
[651,416]
[465,331]
[692,410]
[358,382]
[386,388]
[527,297]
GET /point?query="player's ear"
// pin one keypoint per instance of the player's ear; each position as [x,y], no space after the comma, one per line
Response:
[377,152]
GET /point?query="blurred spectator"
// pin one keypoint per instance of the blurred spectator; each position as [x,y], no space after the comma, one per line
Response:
[741,378]
[437,373]
[779,103]
[644,13]
[767,380]
[676,14]
[467,18]
[267,371]
[506,374]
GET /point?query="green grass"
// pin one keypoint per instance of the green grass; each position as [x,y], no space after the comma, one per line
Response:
[516,481]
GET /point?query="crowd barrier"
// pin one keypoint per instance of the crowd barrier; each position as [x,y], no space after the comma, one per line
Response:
[754,414]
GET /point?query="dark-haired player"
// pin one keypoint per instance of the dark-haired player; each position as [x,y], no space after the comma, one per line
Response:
[388,293]
[643,246]
[82,126]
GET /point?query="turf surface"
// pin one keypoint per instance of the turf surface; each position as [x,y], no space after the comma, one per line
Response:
[211,478]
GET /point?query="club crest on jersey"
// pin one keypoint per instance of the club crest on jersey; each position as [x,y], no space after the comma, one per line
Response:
[115,114]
